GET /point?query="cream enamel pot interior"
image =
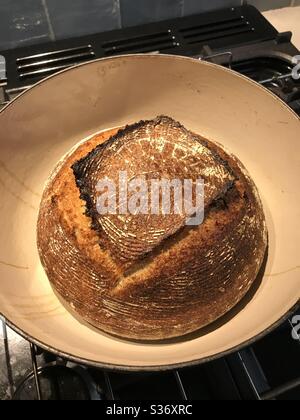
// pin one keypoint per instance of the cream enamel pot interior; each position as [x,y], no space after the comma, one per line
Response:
[44,123]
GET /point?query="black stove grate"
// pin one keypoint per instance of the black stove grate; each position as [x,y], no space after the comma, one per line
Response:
[255,373]
[185,36]
[160,41]
[206,33]
[41,65]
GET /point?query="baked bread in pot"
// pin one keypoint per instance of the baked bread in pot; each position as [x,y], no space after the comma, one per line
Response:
[151,277]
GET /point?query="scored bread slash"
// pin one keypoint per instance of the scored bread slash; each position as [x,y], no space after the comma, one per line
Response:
[157,149]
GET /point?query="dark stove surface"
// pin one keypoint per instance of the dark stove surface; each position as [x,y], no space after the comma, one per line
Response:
[268,71]
[269,369]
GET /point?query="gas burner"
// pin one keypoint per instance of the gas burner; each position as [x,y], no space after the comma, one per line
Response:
[275,74]
[57,382]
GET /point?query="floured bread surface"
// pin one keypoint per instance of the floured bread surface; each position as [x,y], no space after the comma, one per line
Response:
[151,276]
[147,150]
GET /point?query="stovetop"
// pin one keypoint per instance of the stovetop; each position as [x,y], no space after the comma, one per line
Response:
[252,44]
[239,38]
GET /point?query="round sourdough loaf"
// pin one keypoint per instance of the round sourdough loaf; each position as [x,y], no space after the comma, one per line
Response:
[150,277]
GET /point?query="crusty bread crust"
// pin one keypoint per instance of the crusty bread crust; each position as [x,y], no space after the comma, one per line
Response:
[189,280]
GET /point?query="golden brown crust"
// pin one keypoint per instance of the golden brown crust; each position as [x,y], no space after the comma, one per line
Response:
[185,282]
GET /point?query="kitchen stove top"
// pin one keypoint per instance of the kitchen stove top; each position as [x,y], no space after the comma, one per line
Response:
[239,38]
